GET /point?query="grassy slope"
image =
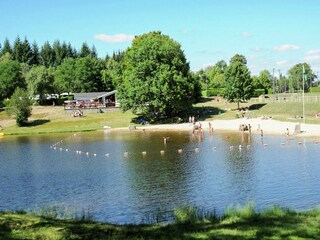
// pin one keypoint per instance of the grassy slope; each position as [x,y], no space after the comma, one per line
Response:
[54,119]
[270,224]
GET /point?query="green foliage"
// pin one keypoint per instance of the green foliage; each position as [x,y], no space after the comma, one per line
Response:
[295,77]
[185,215]
[20,106]
[40,81]
[156,80]
[315,89]
[243,212]
[10,77]
[263,81]
[239,85]
[213,92]
[258,92]
[64,76]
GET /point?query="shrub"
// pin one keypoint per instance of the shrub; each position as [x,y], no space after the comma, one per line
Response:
[315,89]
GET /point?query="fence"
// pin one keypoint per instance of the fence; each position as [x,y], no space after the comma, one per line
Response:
[310,99]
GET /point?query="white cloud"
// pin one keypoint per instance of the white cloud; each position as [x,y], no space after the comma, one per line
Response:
[312,58]
[116,38]
[286,47]
[281,63]
[246,34]
[315,51]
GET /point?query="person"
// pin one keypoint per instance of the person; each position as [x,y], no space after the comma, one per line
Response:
[190,120]
[249,128]
[287,132]
[261,133]
[165,140]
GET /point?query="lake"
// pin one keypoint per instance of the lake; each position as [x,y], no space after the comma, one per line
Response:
[121,176]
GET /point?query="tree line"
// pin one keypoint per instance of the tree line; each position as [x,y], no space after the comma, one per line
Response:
[152,76]
[55,68]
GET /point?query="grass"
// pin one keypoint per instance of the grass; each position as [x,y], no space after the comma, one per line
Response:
[236,223]
[50,119]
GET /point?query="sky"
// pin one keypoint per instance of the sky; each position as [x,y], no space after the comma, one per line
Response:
[271,34]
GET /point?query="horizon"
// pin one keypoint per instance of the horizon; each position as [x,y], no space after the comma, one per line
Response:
[271,35]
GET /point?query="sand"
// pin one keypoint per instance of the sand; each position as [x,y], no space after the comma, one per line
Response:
[269,126]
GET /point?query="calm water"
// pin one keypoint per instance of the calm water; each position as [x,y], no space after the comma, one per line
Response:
[135,188]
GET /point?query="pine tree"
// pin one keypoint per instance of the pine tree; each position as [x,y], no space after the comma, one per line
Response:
[26,52]
[47,57]
[57,52]
[6,47]
[17,50]
[35,54]
[94,53]
[85,50]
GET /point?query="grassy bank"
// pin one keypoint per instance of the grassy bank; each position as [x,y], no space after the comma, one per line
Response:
[236,223]
[47,119]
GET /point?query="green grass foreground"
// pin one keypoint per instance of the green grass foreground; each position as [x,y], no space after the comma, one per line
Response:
[236,223]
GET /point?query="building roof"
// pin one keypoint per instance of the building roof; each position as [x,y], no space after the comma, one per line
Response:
[92,95]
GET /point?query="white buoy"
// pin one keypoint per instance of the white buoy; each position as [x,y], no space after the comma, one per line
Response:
[107,154]
[144,153]
[60,149]
[162,152]
[231,147]
[95,154]
[87,153]
[79,152]
[125,154]
[240,146]
[196,149]
[54,148]
[67,149]
[180,150]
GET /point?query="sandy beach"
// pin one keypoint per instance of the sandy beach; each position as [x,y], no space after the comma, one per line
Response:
[269,126]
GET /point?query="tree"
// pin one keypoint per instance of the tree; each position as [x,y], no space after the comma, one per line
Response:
[47,55]
[85,50]
[238,80]
[156,80]
[10,77]
[35,54]
[40,81]
[26,56]
[64,76]
[295,77]
[17,51]
[6,47]
[20,107]
[88,75]
[263,81]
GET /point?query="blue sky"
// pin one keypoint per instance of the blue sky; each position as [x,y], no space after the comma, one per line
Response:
[269,33]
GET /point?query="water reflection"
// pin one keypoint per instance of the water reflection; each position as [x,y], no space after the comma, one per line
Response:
[210,171]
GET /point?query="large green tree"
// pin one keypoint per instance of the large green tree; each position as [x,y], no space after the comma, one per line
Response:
[20,106]
[64,76]
[295,77]
[10,76]
[239,85]
[40,81]
[263,81]
[156,80]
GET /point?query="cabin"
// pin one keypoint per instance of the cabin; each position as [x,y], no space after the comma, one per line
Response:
[92,100]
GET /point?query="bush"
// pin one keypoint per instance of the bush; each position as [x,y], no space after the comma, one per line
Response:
[212,92]
[315,89]
[258,92]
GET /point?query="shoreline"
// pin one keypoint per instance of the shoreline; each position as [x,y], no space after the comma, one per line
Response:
[269,127]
